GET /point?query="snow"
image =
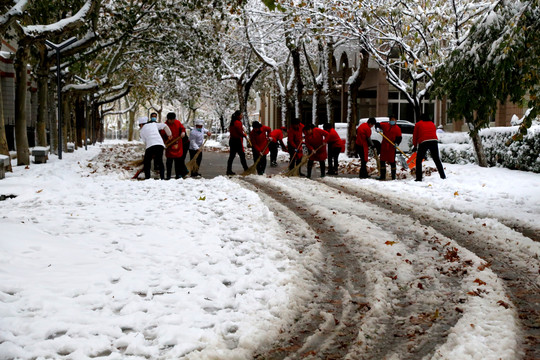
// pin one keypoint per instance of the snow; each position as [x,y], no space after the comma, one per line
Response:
[95,265]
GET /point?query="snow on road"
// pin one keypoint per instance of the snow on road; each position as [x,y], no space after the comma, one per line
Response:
[93,265]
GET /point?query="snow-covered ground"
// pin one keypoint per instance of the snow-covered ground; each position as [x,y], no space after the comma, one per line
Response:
[95,265]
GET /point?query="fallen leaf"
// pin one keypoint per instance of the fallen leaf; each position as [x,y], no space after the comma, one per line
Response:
[203,198]
[479,282]
[456,193]
[503,304]
[40,190]
[390,243]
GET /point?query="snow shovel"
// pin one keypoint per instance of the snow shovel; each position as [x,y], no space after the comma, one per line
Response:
[295,171]
[192,165]
[252,170]
[410,159]
[140,162]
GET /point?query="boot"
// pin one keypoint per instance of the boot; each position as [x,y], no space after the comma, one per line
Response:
[363,170]
[323,168]
[383,173]
[393,171]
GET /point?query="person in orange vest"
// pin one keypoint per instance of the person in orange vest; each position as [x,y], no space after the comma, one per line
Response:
[316,139]
[259,141]
[175,151]
[424,139]
[335,146]
[363,143]
[236,142]
[391,131]
[294,142]
[276,138]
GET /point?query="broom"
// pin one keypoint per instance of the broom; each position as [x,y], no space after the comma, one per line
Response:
[253,168]
[295,171]
[192,165]
[141,161]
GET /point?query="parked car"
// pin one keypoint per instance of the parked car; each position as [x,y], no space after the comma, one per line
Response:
[406,127]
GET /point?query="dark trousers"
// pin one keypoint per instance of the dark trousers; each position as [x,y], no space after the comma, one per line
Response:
[154,152]
[294,157]
[392,170]
[273,147]
[433,147]
[363,162]
[192,155]
[180,169]
[261,166]
[310,166]
[235,147]
[333,155]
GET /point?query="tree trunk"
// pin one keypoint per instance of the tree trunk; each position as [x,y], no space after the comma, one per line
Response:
[327,82]
[79,121]
[356,80]
[295,54]
[42,115]
[66,122]
[4,149]
[21,78]
[131,122]
[477,143]
[315,104]
[53,124]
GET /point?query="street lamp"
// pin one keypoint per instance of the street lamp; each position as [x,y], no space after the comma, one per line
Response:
[85,116]
[58,48]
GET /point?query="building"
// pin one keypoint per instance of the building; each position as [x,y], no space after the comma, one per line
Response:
[7,81]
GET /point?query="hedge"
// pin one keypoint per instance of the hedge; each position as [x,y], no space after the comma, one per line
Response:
[457,148]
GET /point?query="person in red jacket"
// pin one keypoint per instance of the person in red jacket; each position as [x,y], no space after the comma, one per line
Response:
[175,151]
[425,138]
[363,143]
[259,144]
[335,146]
[236,142]
[391,131]
[276,138]
[294,142]
[316,139]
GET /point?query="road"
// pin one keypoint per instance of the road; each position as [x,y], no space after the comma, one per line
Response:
[425,284]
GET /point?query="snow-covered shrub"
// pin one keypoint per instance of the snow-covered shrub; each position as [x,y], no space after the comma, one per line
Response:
[457,148]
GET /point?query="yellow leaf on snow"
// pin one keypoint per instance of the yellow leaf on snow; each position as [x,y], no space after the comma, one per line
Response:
[390,242]
[456,193]
[40,190]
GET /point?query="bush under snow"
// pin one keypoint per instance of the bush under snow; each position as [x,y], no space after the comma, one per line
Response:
[457,148]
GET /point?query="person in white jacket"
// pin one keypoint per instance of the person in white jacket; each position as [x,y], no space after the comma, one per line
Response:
[196,139]
[149,132]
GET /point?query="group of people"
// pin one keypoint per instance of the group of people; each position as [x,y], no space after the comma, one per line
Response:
[424,139]
[325,143]
[320,145]
[264,140]
[172,138]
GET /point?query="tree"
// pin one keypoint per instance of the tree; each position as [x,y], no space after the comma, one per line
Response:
[498,61]
[27,33]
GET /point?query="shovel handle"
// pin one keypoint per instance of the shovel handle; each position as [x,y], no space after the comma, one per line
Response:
[390,141]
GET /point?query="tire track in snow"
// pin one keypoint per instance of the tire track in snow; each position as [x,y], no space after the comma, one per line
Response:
[329,325]
[414,324]
[519,268]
